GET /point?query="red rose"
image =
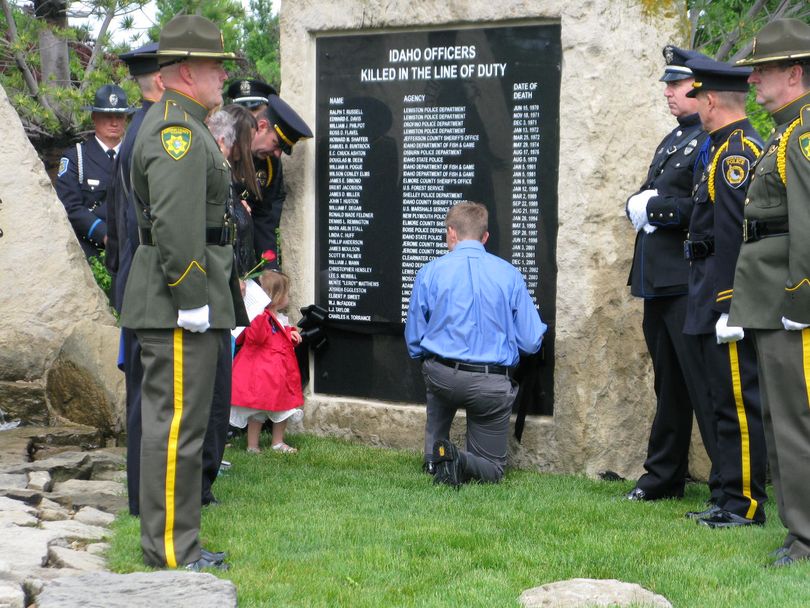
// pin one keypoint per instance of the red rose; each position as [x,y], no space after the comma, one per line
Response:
[269,256]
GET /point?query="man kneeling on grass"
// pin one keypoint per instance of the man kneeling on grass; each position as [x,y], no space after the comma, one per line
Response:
[470,317]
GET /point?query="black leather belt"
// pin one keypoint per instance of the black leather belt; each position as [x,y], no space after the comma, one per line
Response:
[479,368]
[213,236]
[753,230]
[696,250]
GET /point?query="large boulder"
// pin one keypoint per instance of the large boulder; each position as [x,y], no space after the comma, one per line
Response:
[59,342]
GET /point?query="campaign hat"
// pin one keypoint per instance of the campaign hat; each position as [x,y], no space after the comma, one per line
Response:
[190,36]
[782,40]
[250,93]
[286,122]
[676,58]
[110,99]
[711,75]
[142,60]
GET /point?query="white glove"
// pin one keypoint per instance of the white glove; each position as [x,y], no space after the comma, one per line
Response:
[726,333]
[649,228]
[792,325]
[637,208]
[194,319]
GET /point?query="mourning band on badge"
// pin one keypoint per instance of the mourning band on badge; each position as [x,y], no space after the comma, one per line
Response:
[63,166]
[804,144]
[176,141]
[735,170]
[690,147]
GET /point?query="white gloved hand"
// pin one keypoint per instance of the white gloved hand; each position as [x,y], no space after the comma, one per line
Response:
[637,208]
[649,228]
[194,319]
[726,333]
[792,325]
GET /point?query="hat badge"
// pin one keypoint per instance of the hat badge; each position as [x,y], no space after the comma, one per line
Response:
[244,87]
[668,54]
[113,100]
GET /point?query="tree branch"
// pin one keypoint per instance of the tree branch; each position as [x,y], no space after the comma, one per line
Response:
[28,76]
[734,36]
[98,47]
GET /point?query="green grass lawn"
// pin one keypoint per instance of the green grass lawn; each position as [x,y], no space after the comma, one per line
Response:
[347,525]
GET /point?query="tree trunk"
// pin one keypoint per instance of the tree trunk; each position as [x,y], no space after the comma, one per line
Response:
[53,50]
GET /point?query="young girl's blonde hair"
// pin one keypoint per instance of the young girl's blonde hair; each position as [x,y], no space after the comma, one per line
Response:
[276,284]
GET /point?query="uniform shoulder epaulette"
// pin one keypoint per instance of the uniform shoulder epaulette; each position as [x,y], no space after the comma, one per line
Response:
[804,115]
[172,111]
[781,151]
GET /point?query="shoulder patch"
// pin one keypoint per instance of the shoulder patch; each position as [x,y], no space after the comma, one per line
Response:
[176,141]
[735,170]
[804,144]
[63,166]
[804,114]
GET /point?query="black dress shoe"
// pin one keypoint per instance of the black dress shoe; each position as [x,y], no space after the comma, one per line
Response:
[209,499]
[703,514]
[726,519]
[780,552]
[214,556]
[786,560]
[204,563]
[429,467]
[448,464]
[639,494]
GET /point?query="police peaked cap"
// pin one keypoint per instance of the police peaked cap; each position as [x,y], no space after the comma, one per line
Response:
[142,60]
[711,75]
[250,93]
[782,40]
[110,99]
[676,58]
[289,126]
[189,36]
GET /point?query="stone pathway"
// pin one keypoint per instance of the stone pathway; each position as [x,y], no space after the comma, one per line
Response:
[59,492]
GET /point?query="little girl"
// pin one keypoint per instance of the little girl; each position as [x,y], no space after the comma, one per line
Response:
[266,380]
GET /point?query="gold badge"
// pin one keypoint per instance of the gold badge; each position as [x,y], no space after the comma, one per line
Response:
[735,170]
[176,141]
[804,144]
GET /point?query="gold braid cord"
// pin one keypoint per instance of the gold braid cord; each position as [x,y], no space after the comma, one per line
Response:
[781,153]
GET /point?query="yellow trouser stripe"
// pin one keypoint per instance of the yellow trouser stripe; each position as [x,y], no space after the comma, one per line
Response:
[745,442]
[171,452]
[806,361]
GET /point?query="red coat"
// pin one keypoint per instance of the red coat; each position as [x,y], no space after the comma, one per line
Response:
[265,371]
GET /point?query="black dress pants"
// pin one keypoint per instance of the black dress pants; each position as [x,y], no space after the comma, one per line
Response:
[216,435]
[680,389]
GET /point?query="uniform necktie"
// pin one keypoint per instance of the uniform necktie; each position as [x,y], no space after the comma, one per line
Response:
[111,154]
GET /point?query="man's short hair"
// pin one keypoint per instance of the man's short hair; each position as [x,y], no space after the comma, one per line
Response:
[731,100]
[468,219]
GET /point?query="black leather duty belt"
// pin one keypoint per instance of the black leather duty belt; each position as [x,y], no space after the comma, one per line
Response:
[213,236]
[480,368]
[753,230]
[697,250]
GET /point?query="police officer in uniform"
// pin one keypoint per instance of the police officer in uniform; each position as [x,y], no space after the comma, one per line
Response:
[85,169]
[715,236]
[279,128]
[660,213]
[772,279]
[122,233]
[182,294]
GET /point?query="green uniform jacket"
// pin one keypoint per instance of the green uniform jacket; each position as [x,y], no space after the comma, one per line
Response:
[772,278]
[181,183]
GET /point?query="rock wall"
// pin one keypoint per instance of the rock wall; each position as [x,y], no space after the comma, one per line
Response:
[58,340]
[612,114]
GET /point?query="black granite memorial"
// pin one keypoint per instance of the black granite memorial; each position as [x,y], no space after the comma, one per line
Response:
[407,125]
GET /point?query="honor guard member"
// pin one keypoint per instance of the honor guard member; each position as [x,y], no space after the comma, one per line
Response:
[85,169]
[122,232]
[660,213]
[182,294]
[279,128]
[715,236]
[772,280]
[469,318]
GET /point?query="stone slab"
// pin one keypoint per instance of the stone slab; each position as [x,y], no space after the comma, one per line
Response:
[590,593]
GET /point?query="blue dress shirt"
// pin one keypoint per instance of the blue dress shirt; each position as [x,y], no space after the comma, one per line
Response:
[469,305]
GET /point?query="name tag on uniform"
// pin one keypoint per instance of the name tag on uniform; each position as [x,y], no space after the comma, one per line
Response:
[93,182]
